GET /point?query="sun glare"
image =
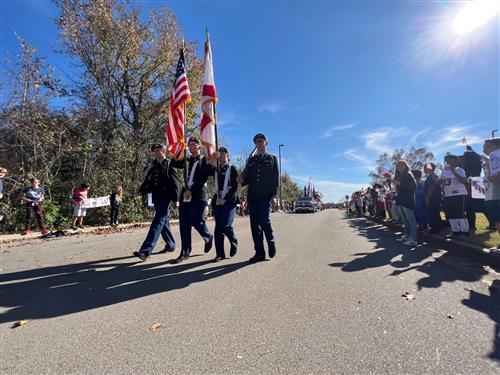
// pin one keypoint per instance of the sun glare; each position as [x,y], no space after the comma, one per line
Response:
[475,14]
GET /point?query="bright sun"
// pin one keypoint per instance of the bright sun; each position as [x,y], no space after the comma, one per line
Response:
[475,14]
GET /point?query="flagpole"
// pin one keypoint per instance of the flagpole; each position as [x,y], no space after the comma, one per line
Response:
[185,127]
[217,190]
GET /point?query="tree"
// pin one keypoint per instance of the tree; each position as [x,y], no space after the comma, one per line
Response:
[128,65]
[415,157]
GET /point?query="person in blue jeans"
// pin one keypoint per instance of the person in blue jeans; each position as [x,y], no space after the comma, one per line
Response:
[406,197]
[224,205]
[162,182]
[261,174]
[420,200]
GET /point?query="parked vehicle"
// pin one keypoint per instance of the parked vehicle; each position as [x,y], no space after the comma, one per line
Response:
[306,204]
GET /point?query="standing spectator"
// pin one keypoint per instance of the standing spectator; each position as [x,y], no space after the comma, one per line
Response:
[471,163]
[433,198]
[3,173]
[406,199]
[420,200]
[491,168]
[79,212]
[33,197]
[115,199]
[453,180]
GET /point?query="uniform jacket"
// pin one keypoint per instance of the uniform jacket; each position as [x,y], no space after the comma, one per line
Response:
[162,180]
[202,172]
[261,174]
[230,197]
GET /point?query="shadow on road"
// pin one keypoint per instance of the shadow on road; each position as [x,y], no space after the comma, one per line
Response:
[61,290]
[438,270]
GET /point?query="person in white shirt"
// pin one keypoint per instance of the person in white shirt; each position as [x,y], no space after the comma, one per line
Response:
[454,181]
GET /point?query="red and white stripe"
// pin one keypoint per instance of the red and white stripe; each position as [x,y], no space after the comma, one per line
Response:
[208,100]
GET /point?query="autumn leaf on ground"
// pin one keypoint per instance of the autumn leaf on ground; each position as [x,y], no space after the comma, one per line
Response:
[408,296]
[155,326]
[20,323]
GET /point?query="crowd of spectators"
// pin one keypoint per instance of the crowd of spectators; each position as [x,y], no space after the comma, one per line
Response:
[416,198]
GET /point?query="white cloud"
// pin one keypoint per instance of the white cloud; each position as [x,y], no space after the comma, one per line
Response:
[229,117]
[414,109]
[354,155]
[272,107]
[329,132]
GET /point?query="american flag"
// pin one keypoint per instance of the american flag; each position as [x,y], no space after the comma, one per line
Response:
[208,100]
[176,143]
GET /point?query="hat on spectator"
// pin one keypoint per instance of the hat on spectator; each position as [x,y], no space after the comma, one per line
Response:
[223,149]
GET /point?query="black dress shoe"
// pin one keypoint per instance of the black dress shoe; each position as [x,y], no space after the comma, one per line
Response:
[179,259]
[208,245]
[233,250]
[272,251]
[218,259]
[256,259]
[141,255]
[166,250]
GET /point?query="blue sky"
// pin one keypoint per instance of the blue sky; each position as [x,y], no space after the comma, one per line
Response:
[336,82]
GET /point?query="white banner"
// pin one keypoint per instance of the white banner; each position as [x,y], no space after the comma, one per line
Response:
[96,202]
[479,188]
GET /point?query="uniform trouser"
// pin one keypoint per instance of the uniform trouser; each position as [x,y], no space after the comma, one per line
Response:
[34,209]
[159,225]
[114,214]
[433,212]
[224,216]
[260,224]
[191,215]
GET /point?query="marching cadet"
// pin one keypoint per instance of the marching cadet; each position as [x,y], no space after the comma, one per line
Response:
[261,174]
[193,200]
[224,205]
[162,182]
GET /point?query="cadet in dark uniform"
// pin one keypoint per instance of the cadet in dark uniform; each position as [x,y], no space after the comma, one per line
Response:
[163,182]
[261,174]
[224,205]
[193,200]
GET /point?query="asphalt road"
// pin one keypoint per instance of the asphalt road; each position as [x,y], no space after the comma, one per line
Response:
[330,302]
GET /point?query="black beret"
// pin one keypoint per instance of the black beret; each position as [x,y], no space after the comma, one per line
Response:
[259,136]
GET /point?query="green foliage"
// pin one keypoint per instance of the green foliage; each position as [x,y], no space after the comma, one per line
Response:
[415,157]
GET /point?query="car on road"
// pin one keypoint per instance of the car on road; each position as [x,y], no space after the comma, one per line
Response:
[306,204]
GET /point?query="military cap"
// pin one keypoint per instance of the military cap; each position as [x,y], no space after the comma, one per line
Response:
[194,140]
[223,149]
[259,136]
[156,146]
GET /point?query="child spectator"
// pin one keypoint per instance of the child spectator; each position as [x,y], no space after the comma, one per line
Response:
[491,168]
[406,199]
[453,180]
[420,200]
[79,194]
[33,197]
[115,200]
